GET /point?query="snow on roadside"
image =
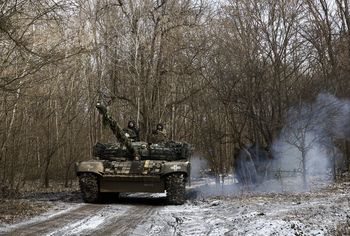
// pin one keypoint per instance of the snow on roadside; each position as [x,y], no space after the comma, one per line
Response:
[311,213]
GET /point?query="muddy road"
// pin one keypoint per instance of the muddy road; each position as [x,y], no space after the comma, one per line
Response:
[208,211]
[116,217]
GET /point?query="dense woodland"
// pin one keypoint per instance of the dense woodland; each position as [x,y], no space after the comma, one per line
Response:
[218,74]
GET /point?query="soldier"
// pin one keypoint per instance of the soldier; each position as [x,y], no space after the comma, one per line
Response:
[159,135]
[132,132]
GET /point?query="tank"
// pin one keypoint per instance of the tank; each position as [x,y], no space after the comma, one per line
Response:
[127,166]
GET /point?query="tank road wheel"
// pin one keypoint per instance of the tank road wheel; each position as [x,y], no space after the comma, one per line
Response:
[88,183]
[175,189]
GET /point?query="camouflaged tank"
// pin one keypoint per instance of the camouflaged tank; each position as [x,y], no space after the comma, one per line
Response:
[134,167]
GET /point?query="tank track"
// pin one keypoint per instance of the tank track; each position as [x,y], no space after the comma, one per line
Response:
[175,188]
[89,187]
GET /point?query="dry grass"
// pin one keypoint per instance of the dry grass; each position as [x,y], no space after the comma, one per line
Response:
[32,200]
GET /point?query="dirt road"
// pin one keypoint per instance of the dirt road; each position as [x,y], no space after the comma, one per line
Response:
[318,212]
[90,219]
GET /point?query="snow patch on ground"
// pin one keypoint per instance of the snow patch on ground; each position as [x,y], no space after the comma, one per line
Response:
[59,209]
[79,226]
[88,224]
[308,213]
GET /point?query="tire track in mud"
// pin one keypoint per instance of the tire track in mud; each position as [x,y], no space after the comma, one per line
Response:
[58,221]
[88,219]
[126,223]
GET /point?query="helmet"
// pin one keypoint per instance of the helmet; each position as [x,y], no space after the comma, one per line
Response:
[160,126]
[131,124]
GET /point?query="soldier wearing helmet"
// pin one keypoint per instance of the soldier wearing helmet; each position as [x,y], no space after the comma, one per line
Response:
[132,132]
[159,135]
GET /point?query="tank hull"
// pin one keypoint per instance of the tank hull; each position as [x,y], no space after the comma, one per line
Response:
[132,176]
[119,183]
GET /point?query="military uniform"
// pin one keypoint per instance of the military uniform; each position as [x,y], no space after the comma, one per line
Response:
[159,135]
[132,132]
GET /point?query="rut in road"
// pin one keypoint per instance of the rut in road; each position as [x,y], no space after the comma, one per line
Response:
[126,223]
[58,221]
[89,219]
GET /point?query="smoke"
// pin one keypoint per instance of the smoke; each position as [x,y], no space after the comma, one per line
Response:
[205,183]
[198,166]
[306,142]
[303,155]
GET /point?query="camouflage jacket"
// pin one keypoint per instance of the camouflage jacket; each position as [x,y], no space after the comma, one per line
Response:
[132,134]
[159,136]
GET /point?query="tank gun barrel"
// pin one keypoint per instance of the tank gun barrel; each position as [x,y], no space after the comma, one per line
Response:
[116,129]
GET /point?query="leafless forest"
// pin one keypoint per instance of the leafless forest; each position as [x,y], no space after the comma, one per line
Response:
[219,74]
